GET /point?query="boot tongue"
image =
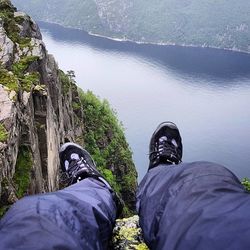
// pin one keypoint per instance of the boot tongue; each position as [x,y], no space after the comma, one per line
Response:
[163,138]
[73,157]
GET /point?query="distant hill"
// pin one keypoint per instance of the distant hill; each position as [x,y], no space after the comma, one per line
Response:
[223,24]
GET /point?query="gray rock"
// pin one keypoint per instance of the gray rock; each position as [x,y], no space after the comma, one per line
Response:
[38,120]
[28,28]
[127,234]
[6,104]
[36,47]
[6,47]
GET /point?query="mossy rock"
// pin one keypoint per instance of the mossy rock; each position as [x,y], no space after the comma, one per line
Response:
[3,133]
[23,171]
[127,235]
[246,183]
[8,79]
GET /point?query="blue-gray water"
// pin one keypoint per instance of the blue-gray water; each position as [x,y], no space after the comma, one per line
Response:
[206,92]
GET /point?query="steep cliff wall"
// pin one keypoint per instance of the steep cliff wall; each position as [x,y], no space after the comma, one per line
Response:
[41,108]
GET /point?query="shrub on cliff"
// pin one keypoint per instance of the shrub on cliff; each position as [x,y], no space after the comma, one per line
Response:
[104,139]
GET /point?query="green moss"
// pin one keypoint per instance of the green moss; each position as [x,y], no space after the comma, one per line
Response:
[24,42]
[20,19]
[22,65]
[22,171]
[246,183]
[11,24]
[128,235]
[28,80]
[19,68]
[3,133]
[18,77]
[8,79]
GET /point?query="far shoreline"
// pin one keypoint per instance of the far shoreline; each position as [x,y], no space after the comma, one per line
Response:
[141,42]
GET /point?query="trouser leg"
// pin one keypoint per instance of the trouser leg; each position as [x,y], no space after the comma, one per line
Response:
[199,205]
[78,217]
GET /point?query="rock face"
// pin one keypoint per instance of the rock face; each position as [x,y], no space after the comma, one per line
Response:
[6,46]
[37,112]
[128,235]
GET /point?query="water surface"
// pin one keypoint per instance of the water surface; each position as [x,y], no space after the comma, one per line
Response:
[206,92]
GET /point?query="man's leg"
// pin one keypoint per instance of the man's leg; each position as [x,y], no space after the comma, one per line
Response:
[78,217]
[199,205]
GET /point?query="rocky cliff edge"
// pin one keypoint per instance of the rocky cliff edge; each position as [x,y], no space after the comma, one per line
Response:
[41,108]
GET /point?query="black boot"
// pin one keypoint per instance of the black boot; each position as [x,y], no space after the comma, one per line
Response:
[165,145]
[77,163]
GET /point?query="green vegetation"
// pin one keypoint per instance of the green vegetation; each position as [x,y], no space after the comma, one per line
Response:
[246,183]
[19,77]
[29,79]
[8,79]
[127,234]
[104,136]
[3,133]
[26,79]
[105,140]
[76,106]
[11,24]
[74,13]
[65,80]
[22,65]
[3,205]
[22,174]
[160,21]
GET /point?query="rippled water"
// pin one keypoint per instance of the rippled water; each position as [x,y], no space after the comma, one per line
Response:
[206,92]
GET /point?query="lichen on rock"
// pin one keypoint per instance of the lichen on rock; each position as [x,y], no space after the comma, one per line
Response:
[127,235]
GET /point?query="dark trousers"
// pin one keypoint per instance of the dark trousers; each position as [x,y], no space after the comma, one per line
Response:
[81,216]
[198,205]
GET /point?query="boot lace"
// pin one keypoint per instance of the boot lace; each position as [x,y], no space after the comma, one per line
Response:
[165,149]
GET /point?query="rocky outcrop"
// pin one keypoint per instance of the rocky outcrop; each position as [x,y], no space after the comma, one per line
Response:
[32,109]
[40,108]
[127,234]
[6,45]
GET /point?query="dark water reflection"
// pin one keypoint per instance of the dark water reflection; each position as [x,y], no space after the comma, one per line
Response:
[205,91]
[210,63]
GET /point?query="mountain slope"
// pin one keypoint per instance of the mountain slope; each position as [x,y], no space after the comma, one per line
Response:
[222,24]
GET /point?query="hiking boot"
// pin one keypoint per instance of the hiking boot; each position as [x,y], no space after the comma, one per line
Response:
[77,163]
[165,145]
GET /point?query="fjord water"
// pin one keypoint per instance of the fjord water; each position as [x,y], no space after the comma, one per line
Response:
[206,92]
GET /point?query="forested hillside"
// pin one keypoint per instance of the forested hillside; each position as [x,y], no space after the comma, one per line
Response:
[223,24]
